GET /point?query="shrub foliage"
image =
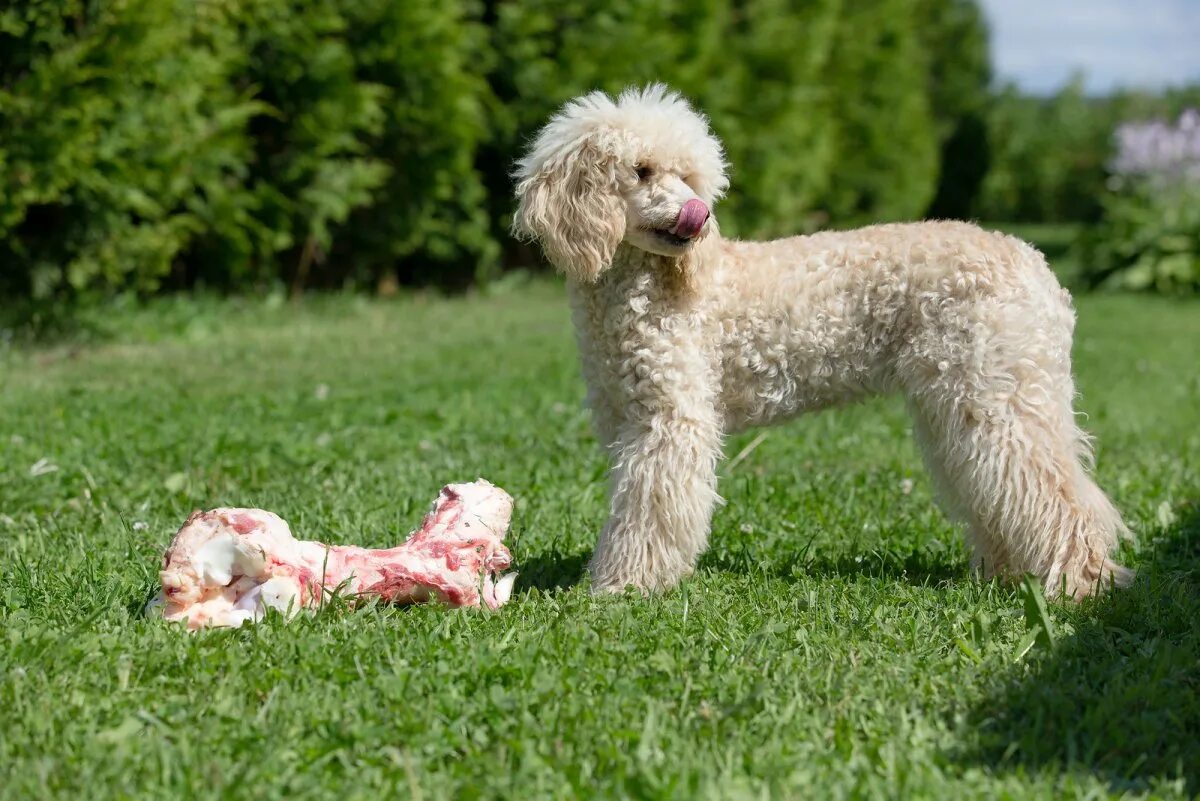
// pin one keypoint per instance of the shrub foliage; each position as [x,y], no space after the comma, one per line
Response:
[1149,236]
[238,143]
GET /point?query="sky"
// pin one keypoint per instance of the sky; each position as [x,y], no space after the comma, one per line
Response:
[1039,44]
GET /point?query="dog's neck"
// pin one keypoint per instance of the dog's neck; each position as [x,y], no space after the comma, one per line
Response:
[680,275]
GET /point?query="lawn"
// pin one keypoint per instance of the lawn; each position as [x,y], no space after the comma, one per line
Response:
[831,645]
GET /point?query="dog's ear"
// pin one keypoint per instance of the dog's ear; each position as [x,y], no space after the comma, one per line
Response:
[571,204]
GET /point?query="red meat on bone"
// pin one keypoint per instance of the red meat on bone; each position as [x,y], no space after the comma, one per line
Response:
[226,567]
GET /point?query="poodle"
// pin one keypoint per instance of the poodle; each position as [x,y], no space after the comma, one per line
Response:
[686,336]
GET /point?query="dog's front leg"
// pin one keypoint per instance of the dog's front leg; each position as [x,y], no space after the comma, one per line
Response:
[663,480]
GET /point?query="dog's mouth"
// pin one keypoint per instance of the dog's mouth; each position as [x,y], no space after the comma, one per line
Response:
[674,240]
[687,225]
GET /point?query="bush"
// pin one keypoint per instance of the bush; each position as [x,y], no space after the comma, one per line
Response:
[885,162]
[310,165]
[955,38]
[240,143]
[766,94]
[164,141]
[755,70]
[1149,237]
[1048,156]
[430,220]
[801,93]
[122,139]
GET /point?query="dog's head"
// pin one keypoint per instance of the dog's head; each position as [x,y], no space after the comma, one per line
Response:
[642,169]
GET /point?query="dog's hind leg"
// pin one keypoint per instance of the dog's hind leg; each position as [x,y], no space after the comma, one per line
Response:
[1015,473]
[989,556]
[987,372]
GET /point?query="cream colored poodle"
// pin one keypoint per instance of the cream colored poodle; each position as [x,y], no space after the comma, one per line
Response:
[686,336]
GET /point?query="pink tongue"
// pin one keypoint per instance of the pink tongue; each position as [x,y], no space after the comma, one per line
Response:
[692,217]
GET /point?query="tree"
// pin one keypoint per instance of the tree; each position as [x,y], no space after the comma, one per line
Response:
[885,152]
[954,37]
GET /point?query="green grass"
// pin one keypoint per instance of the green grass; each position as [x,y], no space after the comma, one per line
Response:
[831,645]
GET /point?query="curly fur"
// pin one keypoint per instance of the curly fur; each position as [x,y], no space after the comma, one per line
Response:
[682,343]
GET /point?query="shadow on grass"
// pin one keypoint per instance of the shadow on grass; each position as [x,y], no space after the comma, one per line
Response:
[551,571]
[555,571]
[1119,697]
[922,567]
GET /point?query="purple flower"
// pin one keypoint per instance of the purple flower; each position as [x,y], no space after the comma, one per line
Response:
[1160,151]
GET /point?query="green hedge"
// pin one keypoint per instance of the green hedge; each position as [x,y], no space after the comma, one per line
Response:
[758,74]
[1149,241]
[124,137]
[240,143]
[1049,156]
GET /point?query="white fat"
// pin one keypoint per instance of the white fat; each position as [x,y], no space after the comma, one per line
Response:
[251,560]
[215,559]
[488,503]
[280,593]
[221,558]
[504,588]
[236,617]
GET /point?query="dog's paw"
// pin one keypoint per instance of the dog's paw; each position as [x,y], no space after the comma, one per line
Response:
[1096,580]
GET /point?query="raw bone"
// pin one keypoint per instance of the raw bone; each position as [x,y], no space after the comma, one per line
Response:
[227,566]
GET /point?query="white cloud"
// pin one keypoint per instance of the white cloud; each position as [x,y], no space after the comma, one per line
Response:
[1039,44]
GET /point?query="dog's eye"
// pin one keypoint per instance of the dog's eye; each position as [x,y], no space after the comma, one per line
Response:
[643,172]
